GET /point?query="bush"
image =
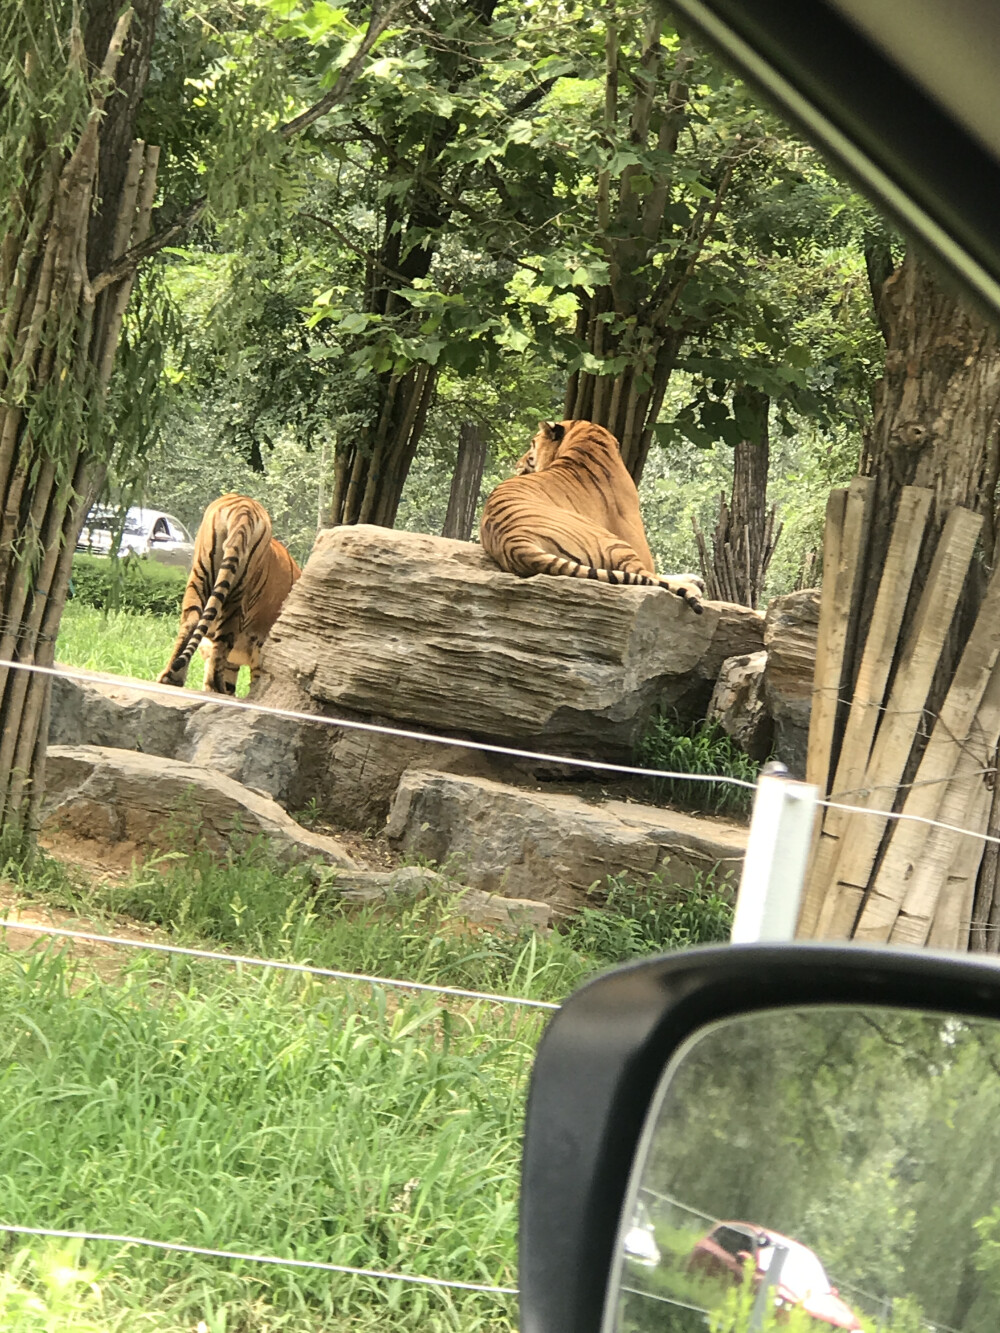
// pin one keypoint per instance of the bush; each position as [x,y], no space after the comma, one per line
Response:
[702,748]
[130,584]
[653,917]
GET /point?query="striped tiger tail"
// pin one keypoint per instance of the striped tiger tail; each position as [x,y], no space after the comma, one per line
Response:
[246,530]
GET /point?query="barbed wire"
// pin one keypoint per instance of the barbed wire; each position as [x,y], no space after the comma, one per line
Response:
[179,1247]
[246,960]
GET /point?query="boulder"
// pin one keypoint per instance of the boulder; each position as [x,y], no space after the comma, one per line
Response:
[143,802]
[428,634]
[492,910]
[89,712]
[550,846]
[791,628]
[738,706]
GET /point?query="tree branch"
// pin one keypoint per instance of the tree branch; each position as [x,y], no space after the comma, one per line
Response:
[376,27]
[127,262]
[355,248]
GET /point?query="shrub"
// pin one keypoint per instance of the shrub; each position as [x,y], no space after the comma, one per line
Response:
[130,584]
[702,748]
[642,919]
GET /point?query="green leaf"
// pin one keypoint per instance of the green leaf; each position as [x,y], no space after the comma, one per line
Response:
[353,323]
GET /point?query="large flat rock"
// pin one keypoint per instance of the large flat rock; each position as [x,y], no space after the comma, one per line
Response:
[146,802]
[551,846]
[428,634]
[429,631]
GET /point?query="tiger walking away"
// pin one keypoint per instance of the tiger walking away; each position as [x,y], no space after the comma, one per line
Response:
[240,576]
[573,509]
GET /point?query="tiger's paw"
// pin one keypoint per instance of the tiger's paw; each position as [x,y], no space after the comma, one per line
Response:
[690,589]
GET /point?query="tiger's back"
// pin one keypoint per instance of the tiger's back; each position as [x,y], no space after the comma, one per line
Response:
[239,578]
[573,510]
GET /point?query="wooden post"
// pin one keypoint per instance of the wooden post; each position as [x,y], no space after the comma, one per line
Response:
[901,721]
[869,693]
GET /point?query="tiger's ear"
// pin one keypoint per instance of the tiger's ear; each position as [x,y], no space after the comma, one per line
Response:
[555,430]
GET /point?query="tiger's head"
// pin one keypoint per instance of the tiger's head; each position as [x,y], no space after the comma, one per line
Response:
[544,448]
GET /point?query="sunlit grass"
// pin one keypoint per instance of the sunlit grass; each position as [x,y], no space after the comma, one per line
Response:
[125,643]
[267,1114]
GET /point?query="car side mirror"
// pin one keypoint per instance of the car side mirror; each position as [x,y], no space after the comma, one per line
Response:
[827,1096]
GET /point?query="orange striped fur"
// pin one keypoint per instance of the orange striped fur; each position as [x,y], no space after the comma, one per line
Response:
[240,576]
[573,510]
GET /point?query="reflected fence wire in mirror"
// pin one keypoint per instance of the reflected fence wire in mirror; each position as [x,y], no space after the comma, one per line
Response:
[814,1169]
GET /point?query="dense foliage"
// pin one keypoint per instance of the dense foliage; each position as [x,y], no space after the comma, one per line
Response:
[440,238]
[132,584]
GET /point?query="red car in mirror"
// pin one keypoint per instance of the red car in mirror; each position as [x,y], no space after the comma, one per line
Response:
[732,1249]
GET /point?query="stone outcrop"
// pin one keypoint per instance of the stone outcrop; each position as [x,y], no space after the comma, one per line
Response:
[492,910]
[790,632]
[145,802]
[738,705]
[428,634]
[88,712]
[548,845]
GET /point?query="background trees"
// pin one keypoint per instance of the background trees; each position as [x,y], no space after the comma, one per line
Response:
[517,212]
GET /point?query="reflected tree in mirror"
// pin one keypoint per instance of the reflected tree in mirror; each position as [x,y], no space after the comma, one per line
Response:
[819,1169]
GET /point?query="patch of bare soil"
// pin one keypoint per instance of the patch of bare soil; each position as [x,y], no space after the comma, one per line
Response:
[370,852]
[106,961]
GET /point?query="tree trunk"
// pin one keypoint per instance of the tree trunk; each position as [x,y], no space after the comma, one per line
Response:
[465,482]
[745,537]
[370,471]
[66,213]
[633,321]
[936,425]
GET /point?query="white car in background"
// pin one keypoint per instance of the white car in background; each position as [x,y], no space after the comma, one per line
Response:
[148,532]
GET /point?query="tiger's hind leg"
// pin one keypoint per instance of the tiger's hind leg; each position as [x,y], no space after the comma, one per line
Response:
[217,670]
[177,674]
[621,566]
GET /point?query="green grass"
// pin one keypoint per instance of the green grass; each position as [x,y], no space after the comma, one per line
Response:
[271,1115]
[125,643]
[703,748]
[222,1107]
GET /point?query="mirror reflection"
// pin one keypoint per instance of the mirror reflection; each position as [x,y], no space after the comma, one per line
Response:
[819,1169]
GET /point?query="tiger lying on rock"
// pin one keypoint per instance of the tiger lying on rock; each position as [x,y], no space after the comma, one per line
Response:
[573,509]
[240,576]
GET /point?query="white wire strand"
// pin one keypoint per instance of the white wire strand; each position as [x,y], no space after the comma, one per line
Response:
[628,770]
[321,719]
[245,960]
[178,1248]
[911,819]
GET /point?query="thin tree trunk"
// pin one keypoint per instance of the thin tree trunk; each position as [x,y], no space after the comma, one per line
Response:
[370,470]
[465,482]
[62,323]
[745,535]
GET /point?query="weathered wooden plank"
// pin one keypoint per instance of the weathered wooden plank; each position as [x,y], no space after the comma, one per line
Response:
[969,721]
[959,807]
[952,910]
[846,534]
[915,671]
[869,692]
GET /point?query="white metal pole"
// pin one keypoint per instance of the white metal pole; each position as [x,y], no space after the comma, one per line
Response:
[774,868]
